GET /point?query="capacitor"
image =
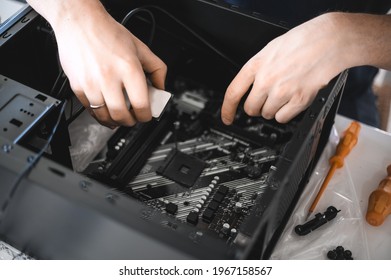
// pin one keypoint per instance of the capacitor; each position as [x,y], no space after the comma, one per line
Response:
[233,232]
[238,207]
[225,228]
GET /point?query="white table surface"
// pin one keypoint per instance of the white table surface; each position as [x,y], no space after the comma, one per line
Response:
[348,191]
[367,166]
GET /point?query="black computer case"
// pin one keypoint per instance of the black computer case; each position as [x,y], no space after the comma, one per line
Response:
[53,212]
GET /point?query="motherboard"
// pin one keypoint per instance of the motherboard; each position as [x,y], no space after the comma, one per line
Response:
[191,167]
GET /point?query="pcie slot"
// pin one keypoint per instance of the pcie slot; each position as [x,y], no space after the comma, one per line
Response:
[134,155]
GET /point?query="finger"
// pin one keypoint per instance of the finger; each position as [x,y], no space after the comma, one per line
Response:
[294,107]
[158,76]
[287,112]
[235,91]
[116,105]
[80,95]
[152,64]
[137,91]
[255,100]
[276,99]
[102,114]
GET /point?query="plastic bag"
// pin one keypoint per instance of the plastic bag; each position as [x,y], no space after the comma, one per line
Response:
[88,138]
[346,229]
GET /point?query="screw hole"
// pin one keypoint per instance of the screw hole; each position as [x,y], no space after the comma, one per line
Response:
[5,129]
[31,104]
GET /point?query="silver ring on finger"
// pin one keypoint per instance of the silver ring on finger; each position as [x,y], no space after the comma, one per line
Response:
[97,106]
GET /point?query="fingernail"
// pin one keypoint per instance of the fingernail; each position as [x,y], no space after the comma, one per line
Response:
[226,121]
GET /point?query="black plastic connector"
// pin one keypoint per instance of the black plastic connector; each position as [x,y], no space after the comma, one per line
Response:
[319,220]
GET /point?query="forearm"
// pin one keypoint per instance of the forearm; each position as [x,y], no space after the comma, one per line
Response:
[366,38]
[60,12]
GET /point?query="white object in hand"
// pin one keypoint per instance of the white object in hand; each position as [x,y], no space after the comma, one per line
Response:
[158,99]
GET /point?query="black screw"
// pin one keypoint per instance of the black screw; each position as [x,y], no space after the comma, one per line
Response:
[322,99]
[347,254]
[332,255]
[340,253]
[339,250]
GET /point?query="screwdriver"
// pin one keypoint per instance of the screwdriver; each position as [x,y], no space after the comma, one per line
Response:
[346,144]
[379,204]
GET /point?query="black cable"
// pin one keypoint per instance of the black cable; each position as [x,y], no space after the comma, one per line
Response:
[141,10]
[194,33]
[31,163]
[59,76]
[59,94]
[75,115]
[57,82]
[71,107]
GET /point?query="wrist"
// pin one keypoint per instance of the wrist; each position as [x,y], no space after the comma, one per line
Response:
[344,42]
[60,13]
[350,48]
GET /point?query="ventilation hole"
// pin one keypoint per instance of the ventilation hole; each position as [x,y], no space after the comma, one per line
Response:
[16,122]
[57,172]
[41,97]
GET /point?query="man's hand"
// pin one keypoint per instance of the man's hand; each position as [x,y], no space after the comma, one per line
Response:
[286,74]
[102,59]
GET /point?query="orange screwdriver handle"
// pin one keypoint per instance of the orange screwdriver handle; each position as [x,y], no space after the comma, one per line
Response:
[348,141]
[379,204]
